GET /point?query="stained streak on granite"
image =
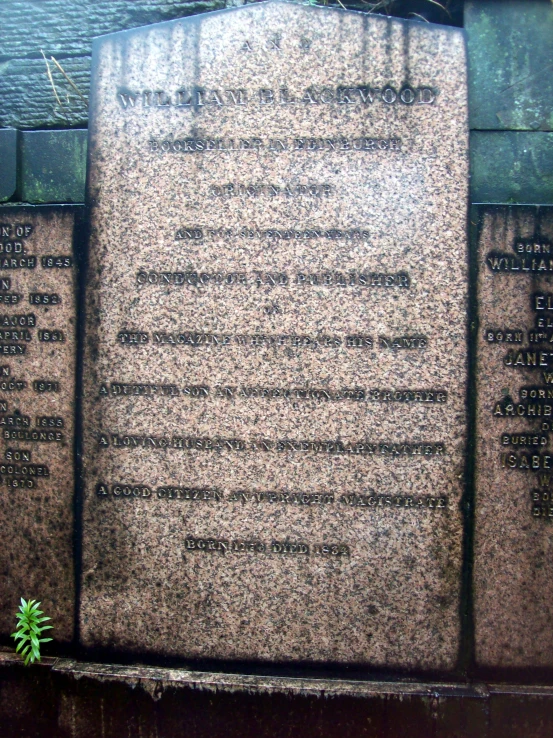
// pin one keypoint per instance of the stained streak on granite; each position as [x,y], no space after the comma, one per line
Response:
[395,601]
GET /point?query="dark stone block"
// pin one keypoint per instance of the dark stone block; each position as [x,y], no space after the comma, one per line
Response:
[8,163]
[29,701]
[511,167]
[53,166]
[514,715]
[462,718]
[510,48]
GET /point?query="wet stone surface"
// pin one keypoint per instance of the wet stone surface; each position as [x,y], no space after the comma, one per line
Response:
[275,350]
[8,155]
[37,396]
[513,593]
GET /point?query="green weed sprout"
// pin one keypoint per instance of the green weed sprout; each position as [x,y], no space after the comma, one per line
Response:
[29,630]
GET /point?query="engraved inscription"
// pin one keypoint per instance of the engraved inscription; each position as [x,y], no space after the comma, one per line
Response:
[281,233]
[273,365]
[426,397]
[282,548]
[51,336]
[530,256]
[45,385]
[39,298]
[276,145]
[37,380]
[57,262]
[261,279]
[24,262]
[370,500]
[258,340]
[196,97]
[269,190]
[192,443]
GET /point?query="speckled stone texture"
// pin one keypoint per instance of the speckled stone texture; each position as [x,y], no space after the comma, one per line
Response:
[275,352]
[513,589]
[37,405]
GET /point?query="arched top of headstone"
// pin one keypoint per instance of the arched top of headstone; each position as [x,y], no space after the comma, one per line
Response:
[284,9]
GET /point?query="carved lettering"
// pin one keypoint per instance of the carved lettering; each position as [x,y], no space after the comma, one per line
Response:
[403,96]
[304,144]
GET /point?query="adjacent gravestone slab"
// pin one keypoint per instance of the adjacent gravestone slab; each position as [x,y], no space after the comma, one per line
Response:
[37,390]
[275,359]
[513,542]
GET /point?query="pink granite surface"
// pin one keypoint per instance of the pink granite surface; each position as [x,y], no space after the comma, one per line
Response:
[37,391]
[513,590]
[275,360]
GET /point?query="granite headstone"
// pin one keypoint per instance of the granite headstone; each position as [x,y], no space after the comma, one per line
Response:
[37,411]
[513,589]
[275,351]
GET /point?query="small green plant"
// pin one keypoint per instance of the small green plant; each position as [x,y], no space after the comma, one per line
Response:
[29,630]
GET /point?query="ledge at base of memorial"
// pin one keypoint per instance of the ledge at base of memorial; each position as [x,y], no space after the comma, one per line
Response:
[77,699]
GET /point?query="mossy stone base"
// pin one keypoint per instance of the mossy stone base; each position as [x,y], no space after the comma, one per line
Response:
[511,167]
[510,50]
[53,166]
[8,163]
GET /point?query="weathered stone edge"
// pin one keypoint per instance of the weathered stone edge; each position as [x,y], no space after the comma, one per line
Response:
[152,678]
